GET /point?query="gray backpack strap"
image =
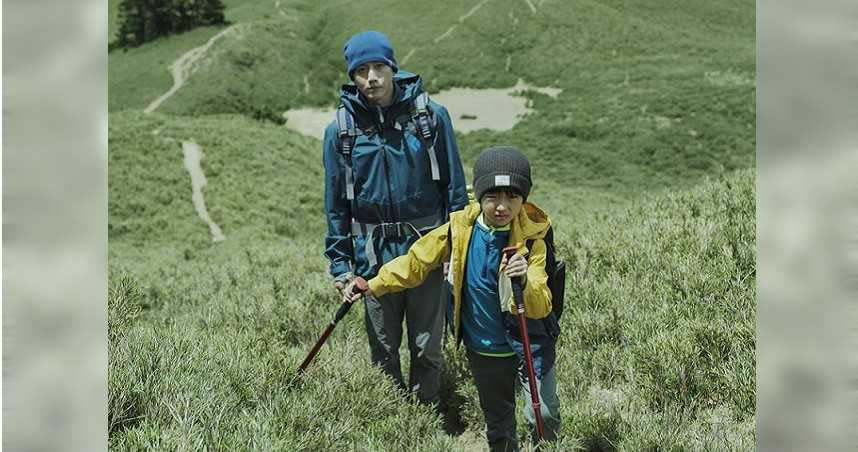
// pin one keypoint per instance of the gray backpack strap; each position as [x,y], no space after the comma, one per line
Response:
[347,133]
[425,126]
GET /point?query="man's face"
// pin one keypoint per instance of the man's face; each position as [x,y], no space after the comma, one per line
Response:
[500,207]
[375,81]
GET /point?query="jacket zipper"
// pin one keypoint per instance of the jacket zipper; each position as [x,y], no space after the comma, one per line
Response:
[380,121]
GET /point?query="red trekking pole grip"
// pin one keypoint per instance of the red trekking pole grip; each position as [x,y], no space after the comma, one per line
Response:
[518,295]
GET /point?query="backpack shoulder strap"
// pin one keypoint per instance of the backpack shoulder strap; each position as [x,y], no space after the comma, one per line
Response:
[426,126]
[550,258]
[546,238]
[346,134]
[425,120]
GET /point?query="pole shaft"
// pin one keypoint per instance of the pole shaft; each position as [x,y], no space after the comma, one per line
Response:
[517,291]
[317,347]
[359,286]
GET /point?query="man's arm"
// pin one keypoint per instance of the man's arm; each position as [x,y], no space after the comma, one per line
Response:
[445,143]
[338,242]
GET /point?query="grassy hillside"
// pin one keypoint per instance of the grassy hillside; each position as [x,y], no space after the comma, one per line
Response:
[644,162]
[658,328]
[660,332]
[652,97]
[112,13]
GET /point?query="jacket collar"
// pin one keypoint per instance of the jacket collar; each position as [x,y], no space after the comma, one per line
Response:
[482,223]
[531,223]
[406,86]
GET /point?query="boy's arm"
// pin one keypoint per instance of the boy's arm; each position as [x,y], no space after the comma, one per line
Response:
[445,140]
[409,270]
[537,295]
[338,243]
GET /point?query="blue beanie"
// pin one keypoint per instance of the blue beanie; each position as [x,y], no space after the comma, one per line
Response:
[368,46]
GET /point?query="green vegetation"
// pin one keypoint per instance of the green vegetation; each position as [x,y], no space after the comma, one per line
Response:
[662,319]
[112,13]
[651,98]
[141,21]
[645,163]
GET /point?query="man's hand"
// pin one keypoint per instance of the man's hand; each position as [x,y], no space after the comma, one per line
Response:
[341,282]
[516,267]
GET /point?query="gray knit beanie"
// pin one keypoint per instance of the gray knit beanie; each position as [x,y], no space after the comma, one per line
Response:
[501,166]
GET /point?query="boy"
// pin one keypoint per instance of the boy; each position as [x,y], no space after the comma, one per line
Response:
[483,307]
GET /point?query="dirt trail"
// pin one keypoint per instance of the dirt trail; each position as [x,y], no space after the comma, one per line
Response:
[532,8]
[193,156]
[405,60]
[182,68]
[461,20]
[449,31]
[472,441]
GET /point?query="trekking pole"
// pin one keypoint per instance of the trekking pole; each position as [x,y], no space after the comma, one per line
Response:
[518,294]
[359,286]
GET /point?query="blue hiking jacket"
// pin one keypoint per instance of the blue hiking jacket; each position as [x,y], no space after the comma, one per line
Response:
[392,176]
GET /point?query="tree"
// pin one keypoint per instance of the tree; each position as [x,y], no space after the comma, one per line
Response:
[144,20]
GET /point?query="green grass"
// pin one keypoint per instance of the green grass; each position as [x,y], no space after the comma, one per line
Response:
[140,75]
[644,162]
[661,315]
[112,17]
[652,97]
[659,320]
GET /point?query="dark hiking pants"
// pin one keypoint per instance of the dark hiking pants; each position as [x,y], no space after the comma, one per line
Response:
[423,313]
[495,379]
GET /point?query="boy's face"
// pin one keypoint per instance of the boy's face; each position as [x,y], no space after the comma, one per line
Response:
[375,81]
[500,206]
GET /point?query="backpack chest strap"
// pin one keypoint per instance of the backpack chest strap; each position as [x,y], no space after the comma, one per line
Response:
[393,229]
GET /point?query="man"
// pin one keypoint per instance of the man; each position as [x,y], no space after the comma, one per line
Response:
[392,173]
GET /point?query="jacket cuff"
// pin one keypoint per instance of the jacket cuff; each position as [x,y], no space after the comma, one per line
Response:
[376,287]
[343,277]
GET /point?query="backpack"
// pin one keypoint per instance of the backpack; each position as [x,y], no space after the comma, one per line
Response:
[424,127]
[423,123]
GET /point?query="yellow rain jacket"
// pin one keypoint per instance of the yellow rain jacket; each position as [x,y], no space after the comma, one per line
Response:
[449,243]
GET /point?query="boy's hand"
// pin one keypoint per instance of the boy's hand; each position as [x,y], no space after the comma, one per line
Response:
[350,294]
[516,267]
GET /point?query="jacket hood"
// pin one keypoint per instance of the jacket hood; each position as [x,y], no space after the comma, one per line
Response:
[406,86]
[531,222]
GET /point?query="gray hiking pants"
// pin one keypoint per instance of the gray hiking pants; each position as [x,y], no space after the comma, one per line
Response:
[423,313]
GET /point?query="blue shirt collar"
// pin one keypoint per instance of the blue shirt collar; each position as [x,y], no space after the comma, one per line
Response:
[482,223]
